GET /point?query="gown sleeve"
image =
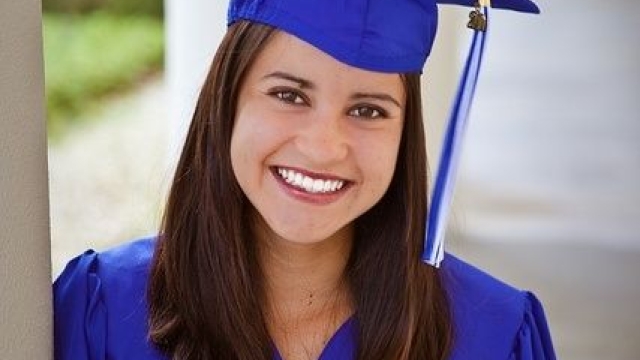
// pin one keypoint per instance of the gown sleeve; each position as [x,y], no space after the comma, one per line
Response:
[80,321]
[533,341]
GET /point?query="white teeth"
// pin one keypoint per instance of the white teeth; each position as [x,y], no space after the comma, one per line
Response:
[327,186]
[309,184]
[289,176]
[318,185]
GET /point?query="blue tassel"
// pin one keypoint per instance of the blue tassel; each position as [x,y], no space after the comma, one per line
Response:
[450,156]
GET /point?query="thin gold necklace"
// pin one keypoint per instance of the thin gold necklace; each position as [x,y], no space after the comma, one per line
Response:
[319,340]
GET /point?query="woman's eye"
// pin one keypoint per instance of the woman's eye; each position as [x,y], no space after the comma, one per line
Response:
[367,112]
[288,96]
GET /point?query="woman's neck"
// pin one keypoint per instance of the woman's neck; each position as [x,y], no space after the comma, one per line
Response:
[303,278]
[307,296]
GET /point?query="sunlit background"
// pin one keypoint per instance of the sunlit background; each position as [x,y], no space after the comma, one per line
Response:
[106,120]
[548,196]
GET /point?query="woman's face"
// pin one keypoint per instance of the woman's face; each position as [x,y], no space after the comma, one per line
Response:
[315,141]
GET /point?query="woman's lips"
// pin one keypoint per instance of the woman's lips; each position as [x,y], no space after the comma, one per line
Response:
[310,187]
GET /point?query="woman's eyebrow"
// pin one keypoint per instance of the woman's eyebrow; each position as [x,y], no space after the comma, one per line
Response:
[302,83]
[377,96]
[306,84]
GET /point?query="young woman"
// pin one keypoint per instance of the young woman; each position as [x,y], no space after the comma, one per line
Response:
[295,223]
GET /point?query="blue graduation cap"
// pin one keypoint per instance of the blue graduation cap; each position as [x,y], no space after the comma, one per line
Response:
[390,36]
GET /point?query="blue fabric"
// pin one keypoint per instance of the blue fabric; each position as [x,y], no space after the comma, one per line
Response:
[100,312]
[379,35]
[341,344]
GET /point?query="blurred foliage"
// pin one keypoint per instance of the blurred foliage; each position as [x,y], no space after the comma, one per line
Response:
[126,7]
[89,56]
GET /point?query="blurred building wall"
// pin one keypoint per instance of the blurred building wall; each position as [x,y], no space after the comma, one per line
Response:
[25,266]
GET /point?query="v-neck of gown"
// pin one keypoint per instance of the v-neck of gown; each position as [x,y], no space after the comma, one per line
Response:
[341,346]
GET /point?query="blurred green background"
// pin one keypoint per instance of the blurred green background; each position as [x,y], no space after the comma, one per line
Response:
[95,49]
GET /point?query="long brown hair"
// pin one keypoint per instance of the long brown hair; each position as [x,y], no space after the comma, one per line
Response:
[205,293]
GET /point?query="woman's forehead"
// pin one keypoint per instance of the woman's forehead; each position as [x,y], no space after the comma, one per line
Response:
[289,54]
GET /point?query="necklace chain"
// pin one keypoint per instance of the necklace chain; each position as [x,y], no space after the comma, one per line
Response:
[310,344]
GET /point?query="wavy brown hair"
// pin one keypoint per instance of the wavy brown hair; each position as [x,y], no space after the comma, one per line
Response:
[205,293]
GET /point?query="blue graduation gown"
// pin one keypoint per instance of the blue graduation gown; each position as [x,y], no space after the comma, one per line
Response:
[101,314]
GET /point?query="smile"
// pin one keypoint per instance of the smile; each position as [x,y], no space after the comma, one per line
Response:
[309,184]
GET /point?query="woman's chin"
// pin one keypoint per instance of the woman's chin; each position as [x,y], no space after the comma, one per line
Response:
[308,235]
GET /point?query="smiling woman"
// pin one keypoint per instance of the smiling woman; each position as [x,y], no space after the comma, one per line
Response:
[319,129]
[295,223]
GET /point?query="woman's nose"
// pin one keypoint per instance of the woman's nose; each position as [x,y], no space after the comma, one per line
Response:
[323,141]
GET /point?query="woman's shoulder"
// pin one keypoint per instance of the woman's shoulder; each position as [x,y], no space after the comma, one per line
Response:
[493,320]
[125,266]
[119,271]
[129,258]
[100,304]
[468,284]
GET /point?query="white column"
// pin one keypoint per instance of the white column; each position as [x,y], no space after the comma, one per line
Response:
[193,31]
[25,265]
[440,78]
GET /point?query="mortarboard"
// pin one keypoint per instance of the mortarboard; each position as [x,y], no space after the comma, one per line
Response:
[389,36]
